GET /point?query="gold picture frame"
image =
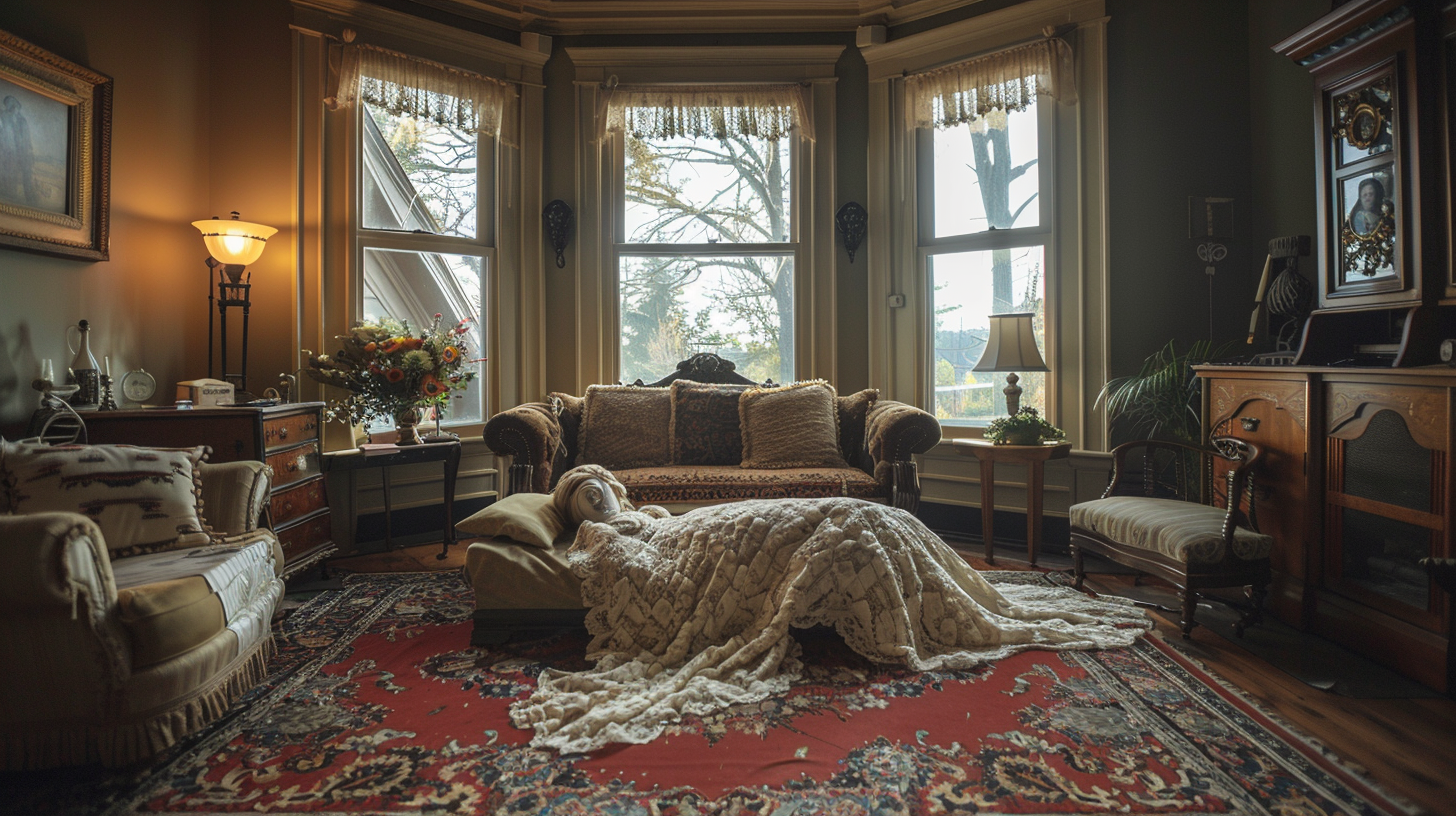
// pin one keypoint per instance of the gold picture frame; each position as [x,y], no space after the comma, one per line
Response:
[55,153]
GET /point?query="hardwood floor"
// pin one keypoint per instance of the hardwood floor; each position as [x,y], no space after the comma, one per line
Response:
[1406,746]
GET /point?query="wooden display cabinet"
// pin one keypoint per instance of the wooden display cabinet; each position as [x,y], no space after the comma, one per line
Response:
[286,437]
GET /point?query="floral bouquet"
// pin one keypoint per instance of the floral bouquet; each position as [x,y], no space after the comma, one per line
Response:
[388,371]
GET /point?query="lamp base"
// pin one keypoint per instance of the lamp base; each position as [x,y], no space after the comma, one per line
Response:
[1013,394]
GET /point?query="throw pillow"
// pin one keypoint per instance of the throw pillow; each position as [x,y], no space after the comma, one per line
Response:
[854,410]
[143,499]
[790,426]
[625,426]
[704,427]
[528,518]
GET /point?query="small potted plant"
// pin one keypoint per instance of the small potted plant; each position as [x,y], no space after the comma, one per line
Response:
[1025,427]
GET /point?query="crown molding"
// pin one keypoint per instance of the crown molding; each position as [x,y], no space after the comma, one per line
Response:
[571,17]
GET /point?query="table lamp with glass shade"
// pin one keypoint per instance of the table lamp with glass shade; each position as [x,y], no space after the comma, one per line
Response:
[232,244]
[1011,347]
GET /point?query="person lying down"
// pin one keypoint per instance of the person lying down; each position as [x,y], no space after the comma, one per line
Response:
[690,614]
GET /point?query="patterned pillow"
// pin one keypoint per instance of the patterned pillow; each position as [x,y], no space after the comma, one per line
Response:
[791,426]
[705,423]
[143,499]
[625,426]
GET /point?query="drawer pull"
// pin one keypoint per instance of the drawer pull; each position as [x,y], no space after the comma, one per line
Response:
[283,433]
[1249,423]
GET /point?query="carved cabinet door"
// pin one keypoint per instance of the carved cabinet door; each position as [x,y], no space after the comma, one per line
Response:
[1273,413]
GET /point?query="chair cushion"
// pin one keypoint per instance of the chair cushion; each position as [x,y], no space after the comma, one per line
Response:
[1183,531]
[721,483]
[168,618]
[143,499]
[791,426]
[705,423]
[625,426]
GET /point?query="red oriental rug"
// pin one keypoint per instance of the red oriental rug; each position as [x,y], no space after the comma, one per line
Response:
[378,704]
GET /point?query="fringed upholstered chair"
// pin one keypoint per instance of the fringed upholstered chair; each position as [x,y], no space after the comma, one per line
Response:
[1184,514]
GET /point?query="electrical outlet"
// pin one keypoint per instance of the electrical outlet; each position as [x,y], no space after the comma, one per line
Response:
[897,301]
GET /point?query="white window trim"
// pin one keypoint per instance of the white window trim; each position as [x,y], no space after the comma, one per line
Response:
[512,326]
[1077,294]
[598,343]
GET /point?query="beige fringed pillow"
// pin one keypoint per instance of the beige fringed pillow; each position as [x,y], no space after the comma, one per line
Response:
[143,499]
[626,426]
[790,426]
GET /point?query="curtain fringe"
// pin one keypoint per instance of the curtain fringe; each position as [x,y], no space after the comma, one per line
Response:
[711,111]
[1007,81]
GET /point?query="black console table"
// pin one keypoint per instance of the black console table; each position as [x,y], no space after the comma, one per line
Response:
[351,461]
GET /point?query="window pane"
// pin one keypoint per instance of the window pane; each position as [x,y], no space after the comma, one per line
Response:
[741,308]
[418,175]
[986,174]
[414,287]
[966,288]
[696,191]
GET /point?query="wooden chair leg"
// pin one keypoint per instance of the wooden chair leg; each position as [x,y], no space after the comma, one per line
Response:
[1190,606]
[1079,574]
[1255,615]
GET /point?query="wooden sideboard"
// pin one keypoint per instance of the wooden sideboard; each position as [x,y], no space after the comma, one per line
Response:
[286,437]
[1357,486]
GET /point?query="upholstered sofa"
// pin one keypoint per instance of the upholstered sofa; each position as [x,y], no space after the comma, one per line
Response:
[135,600]
[705,435]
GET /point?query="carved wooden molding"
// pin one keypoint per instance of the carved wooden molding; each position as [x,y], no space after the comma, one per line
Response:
[1351,407]
[1227,399]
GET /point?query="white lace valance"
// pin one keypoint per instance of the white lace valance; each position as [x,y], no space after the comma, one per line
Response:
[401,84]
[1005,81]
[713,111]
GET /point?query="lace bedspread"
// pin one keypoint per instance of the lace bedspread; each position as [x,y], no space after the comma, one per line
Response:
[692,613]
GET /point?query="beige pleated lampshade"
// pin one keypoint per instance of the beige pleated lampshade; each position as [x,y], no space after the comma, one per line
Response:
[1011,345]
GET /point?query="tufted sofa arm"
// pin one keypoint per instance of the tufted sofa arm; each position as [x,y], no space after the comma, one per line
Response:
[894,431]
[531,435]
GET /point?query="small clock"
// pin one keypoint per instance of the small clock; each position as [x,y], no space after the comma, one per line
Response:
[138,386]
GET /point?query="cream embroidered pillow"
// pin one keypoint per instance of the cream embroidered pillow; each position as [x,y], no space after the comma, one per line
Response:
[626,426]
[790,426]
[529,518]
[143,499]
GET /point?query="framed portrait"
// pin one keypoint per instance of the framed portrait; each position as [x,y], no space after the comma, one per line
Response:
[1369,225]
[1364,121]
[55,153]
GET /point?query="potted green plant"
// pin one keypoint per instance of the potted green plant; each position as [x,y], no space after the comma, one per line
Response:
[1025,427]
[1162,399]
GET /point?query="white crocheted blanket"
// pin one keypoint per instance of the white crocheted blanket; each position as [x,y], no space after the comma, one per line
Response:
[692,613]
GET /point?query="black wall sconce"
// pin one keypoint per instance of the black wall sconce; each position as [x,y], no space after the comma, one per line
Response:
[851,221]
[558,228]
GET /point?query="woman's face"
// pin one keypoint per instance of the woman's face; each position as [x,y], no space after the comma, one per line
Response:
[1367,197]
[594,501]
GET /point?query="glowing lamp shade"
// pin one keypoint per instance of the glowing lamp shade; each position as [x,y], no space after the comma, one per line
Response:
[234,242]
[1011,347]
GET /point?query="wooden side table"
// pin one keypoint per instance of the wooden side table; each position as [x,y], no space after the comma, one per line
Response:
[1035,458]
[351,461]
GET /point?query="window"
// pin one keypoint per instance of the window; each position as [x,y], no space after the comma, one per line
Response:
[706,252]
[708,259]
[424,222]
[984,233]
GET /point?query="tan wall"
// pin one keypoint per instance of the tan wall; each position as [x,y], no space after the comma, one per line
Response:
[148,303]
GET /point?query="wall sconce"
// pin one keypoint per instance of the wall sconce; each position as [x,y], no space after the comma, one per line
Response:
[558,228]
[1011,347]
[1210,219]
[232,244]
[851,221]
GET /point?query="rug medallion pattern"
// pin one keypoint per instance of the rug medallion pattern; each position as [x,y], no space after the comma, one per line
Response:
[377,704]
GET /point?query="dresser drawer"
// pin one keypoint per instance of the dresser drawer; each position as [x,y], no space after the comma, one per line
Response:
[297,501]
[294,464]
[287,431]
[305,536]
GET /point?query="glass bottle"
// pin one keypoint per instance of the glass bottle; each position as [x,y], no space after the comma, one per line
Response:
[83,368]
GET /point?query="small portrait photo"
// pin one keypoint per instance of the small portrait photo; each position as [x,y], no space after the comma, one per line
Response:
[1369,231]
[1369,207]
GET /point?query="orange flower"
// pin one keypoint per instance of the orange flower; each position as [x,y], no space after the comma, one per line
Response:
[391,345]
[370,346]
[394,374]
[450,354]
[432,387]
[413,343]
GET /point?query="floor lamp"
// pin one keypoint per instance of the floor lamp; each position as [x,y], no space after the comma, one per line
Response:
[1011,347]
[232,245]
